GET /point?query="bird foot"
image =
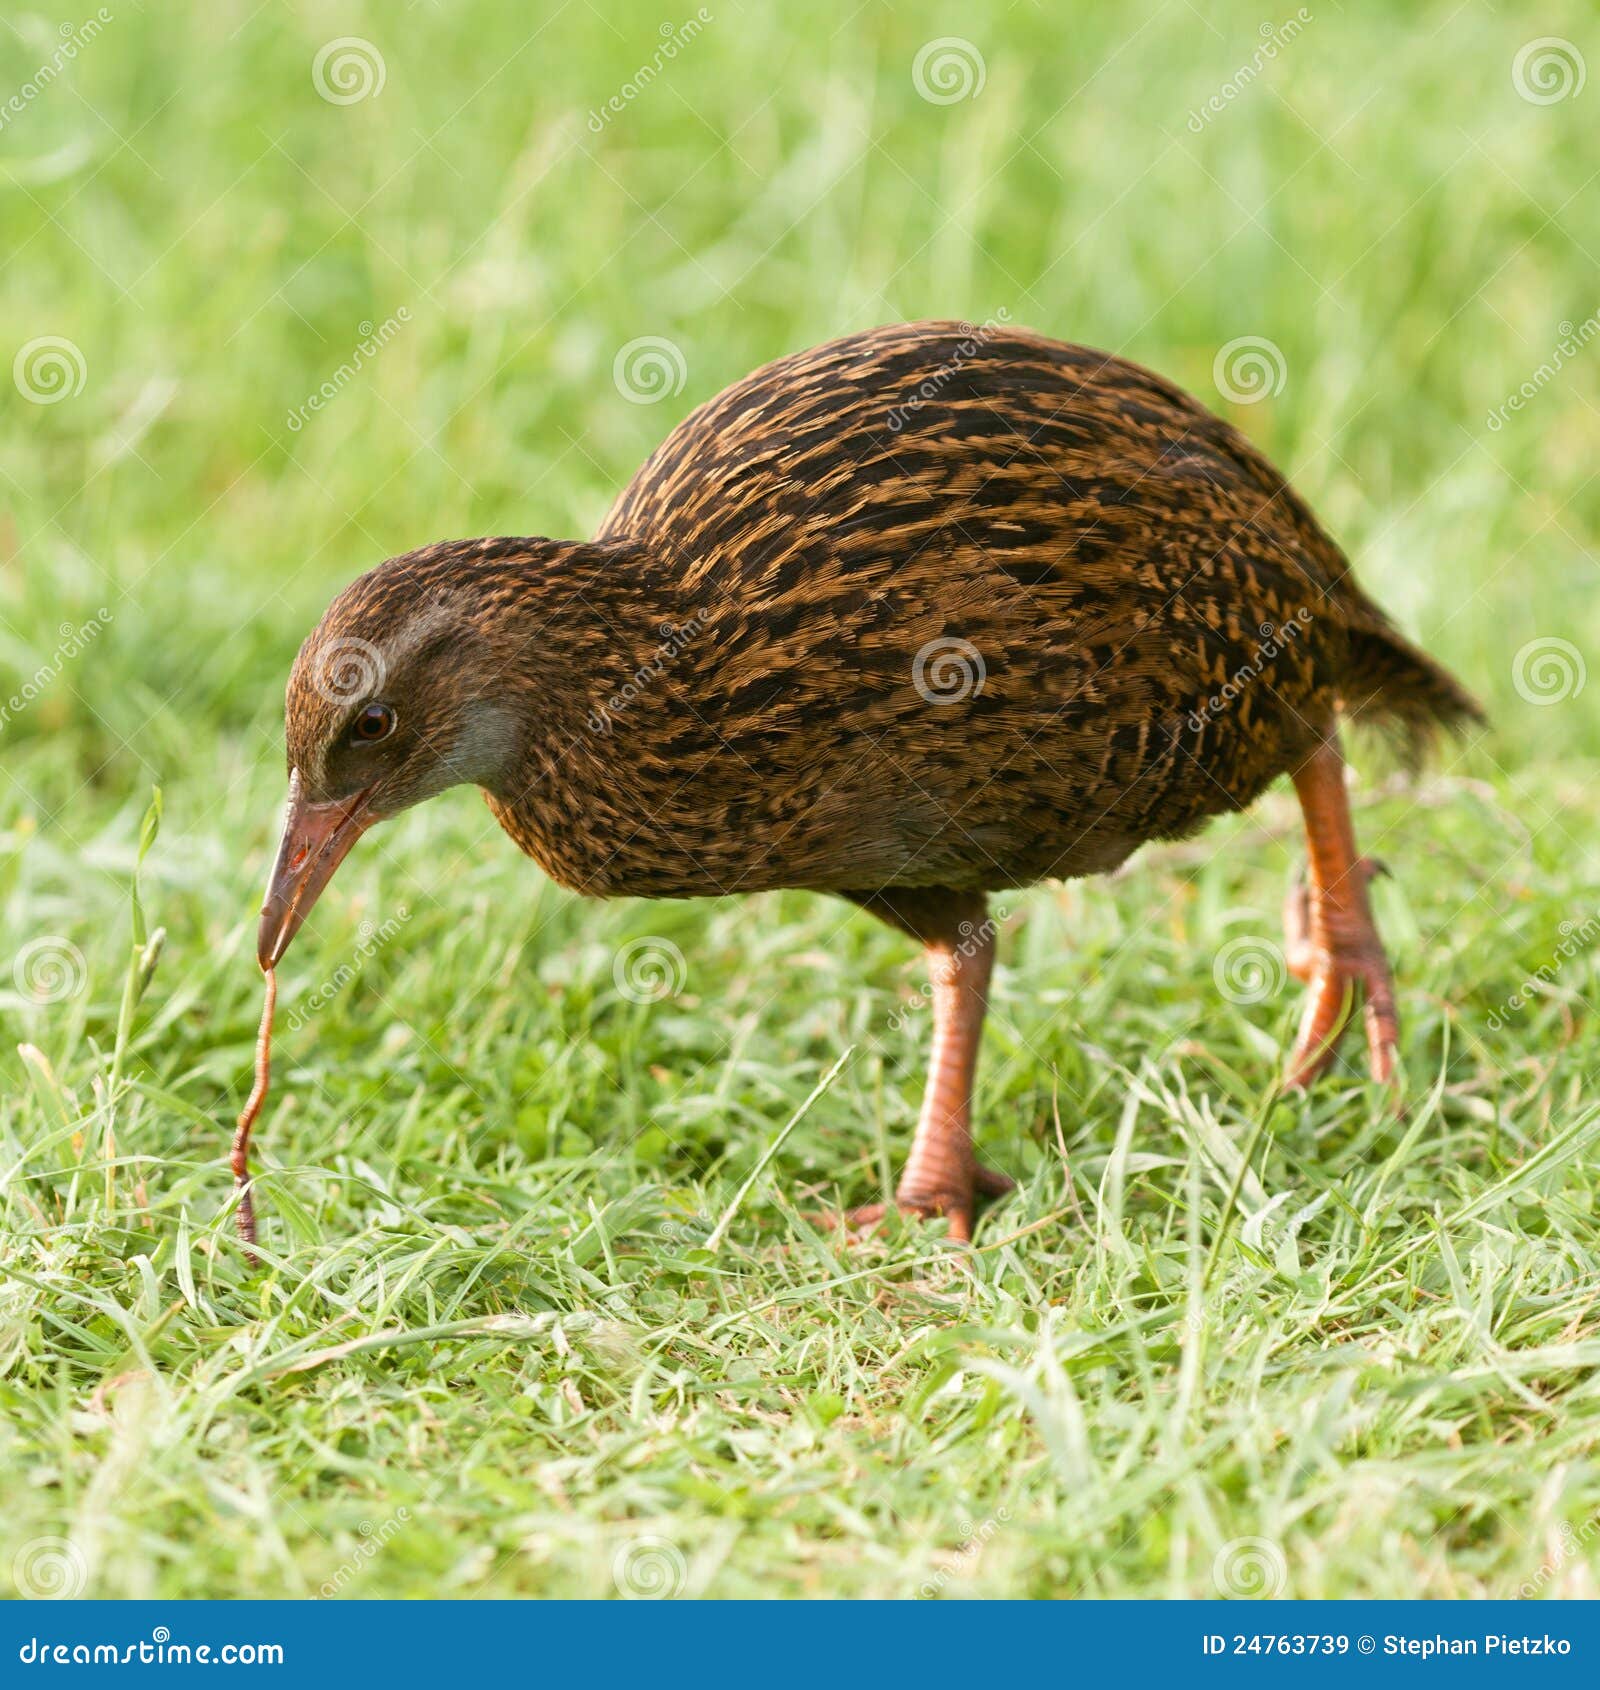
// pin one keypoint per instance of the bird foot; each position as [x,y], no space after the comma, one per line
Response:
[1299,953]
[1330,941]
[1335,978]
[957,1208]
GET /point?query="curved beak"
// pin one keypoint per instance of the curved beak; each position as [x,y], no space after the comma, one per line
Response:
[316,839]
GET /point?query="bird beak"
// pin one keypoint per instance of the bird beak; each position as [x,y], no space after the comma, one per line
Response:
[316,838]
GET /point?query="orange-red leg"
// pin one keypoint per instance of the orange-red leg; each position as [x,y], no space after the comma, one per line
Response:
[942,1175]
[1331,942]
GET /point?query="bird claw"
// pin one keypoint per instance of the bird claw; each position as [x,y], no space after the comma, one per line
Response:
[957,1215]
[957,1209]
[990,1182]
[1334,981]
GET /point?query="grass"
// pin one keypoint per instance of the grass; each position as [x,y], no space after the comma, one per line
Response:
[492,1350]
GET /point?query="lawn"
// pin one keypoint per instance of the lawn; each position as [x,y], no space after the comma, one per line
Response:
[274,311]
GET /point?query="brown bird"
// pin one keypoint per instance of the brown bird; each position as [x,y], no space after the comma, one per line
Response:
[920,614]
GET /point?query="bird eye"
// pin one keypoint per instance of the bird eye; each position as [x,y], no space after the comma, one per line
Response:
[373,722]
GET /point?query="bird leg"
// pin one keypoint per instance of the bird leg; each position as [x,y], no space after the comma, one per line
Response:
[942,1175]
[1330,939]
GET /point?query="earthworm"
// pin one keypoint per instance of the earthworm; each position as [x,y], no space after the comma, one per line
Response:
[245,1215]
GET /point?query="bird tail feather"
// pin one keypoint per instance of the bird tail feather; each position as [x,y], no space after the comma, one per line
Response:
[1395,686]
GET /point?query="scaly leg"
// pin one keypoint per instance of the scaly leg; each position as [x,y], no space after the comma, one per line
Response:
[1331,941]
[942,1176]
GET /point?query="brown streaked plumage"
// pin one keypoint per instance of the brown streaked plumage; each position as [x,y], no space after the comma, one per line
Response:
[917,615]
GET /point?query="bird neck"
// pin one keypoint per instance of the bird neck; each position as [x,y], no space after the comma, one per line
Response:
[586,658]
[574,637]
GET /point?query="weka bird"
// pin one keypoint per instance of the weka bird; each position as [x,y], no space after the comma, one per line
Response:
[923,613]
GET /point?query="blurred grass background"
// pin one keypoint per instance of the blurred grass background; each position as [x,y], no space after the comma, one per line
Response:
[470,1124]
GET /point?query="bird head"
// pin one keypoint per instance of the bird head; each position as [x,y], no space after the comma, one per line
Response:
[399,693]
